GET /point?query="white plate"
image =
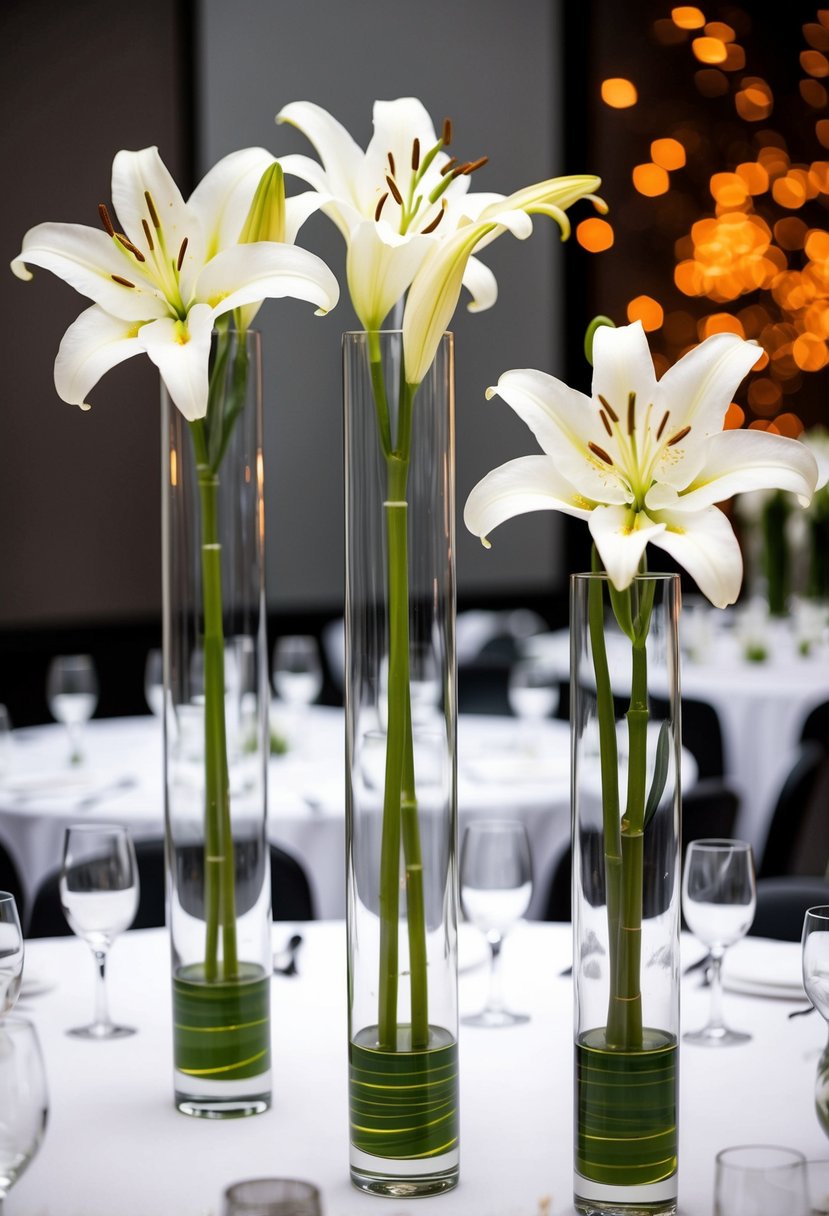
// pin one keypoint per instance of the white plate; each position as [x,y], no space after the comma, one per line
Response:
[759,967]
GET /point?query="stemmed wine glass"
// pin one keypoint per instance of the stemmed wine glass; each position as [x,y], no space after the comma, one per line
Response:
[11,952]
[718,900]
[816,983]
[496,885]
[99,895]
[24,1103]
[72,693]
[297,673]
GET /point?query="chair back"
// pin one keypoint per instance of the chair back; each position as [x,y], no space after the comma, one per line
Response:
[791,817]
[782,904]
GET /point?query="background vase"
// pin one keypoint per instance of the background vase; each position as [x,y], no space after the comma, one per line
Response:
[626,886]
[401,819]
[216,740]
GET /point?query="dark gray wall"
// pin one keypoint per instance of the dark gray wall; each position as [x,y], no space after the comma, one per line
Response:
[492,66]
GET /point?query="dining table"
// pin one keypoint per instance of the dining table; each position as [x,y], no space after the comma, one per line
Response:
[506,769]
[114,1143]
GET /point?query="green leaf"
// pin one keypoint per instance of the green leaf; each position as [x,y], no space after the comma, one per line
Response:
[660,772]
[622,609]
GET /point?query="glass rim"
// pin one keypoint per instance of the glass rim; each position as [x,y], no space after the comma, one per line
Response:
[819,911]
[796,1157]
[304,1189]
[360,335]
[120,829]
[667,576]
[493,825]
[4,895]
[710,843]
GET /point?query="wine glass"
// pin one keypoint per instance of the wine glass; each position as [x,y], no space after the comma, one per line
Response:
[496,885]
[99,895]
[24,1104]
[532,692]
[272,1197]
[760,1180]
[718,900]
[11,952]
[297,672]
[816,983]
[72,693]
[154,682]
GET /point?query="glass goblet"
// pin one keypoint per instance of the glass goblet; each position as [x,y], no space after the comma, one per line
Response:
[496,886]
[72,694]
[297,672]
[24,1104]
[816,982]
[760,1180]
[718,901]
[11,952]
[99,895]
[272,1197]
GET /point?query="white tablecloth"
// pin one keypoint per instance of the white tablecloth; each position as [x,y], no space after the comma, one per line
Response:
[115,1146]
[503,771]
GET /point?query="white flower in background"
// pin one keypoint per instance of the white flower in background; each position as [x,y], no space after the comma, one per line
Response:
[409,219]
[643,460]
[160,284]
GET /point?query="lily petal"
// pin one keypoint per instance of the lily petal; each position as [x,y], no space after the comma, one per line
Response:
[222,199]
[246,274]
[92,344]
[704,544]
[181,350]
[136,174]
[298,209]
[529,483]
[700,386]
[340,155]
[622,365]
[380,267]
[311,171]
[621,536]
[481,284]
[87,260]
[736,461]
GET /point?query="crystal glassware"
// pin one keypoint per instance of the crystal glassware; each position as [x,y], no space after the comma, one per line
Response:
[297,672]
[99,895]
[154,682]
[72,694]
[272,1197]
[815,952]
[24,1103]
[496,886]
[11,952]
[718,901]
[760,1180]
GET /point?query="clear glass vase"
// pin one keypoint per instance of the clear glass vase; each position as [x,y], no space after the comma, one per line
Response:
[401,817]
[216,739]
[626,888]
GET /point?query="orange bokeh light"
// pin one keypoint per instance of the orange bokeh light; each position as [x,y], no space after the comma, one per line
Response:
[790,233]
[688,18]
[650,179]
[619,93]
[813,94]
[711,82]
[788,191]
[668,153]
[755,177]
[789,425]
[735,58]
[754,101]
[648,311]
[710,50]
[809,353]
[594,235]
[822,131]
[764,397]
[718,29]
[721,323]
[735,416]
[817,36]
[814,63]
[728,190]
[817,245]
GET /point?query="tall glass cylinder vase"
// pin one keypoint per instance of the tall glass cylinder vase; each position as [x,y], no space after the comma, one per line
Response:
[401,825]
[216,739]
[625,727]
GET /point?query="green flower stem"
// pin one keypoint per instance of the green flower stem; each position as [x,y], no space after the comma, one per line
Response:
[400,818]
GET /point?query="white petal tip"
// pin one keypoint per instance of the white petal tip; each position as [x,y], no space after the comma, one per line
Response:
[84,405]
[486,544]
[321,312]
[20,270]
[490,392]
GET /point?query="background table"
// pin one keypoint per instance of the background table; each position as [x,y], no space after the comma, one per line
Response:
[114,1143]
[504,770]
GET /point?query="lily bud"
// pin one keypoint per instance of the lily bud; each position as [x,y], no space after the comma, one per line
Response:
[266,217]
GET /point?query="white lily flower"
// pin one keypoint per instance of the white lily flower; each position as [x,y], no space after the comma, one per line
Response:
[643,460]
[160,285]
[404,205]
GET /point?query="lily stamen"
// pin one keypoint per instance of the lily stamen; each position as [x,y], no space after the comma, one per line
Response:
[605,423]
[128,245]
[446,137]
[431,227]
[610,410]
[156,222]
[415,155]
[600,452]
[449,166]
[631,413]
[378,209]
[181,254]
[391,164]
[395,193]
[471,166]
[105,220]
[662,424]
[148,235]
[116,278]
[678,436]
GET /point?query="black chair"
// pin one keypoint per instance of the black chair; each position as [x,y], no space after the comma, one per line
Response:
[290,891]
[10,880]
[816,726]
[701,734]
[709,810]
[791,820]
[782,904]
[483,685]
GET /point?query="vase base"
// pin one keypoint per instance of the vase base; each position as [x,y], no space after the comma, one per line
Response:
[374,1176]
[597,1199]
[221,1108]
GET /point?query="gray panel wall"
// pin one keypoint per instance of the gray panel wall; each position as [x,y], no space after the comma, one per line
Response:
[491,66]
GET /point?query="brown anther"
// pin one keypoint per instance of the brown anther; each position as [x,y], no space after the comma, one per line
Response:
[605,423]
[431,227]
[475,164]
[415,156]
[600,452]
[678,436]
[181,254]
[631,413]
[395,193]
[446,137]
[449,166]
[662,424]
[391,164]
[380,206]
[460,170]
[116,278]
[610,410]
[148,235]
[136,253]
[148,198]
[105,220]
